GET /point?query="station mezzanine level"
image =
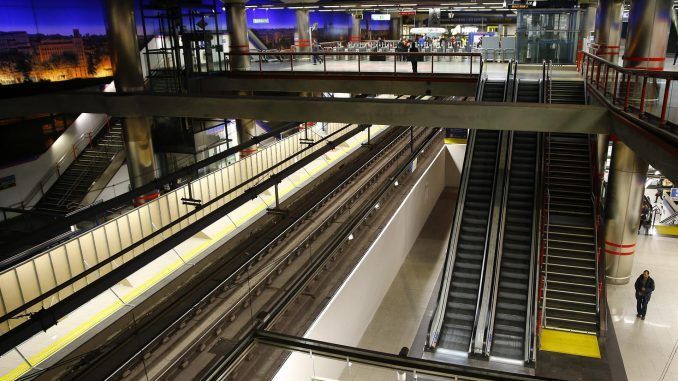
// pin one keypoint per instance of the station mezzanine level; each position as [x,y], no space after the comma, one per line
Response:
[650,135]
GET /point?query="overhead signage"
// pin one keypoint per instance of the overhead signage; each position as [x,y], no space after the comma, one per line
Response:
[380,16]
[517,6]
[260,21]
[408,13]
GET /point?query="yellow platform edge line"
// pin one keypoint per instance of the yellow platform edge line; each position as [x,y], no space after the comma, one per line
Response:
[571,343]
[455,141]
[99,317]
[669,230]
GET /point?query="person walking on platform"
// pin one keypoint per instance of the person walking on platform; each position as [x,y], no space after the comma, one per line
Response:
[414,58]
[658,195]
[316,49]
[644,288]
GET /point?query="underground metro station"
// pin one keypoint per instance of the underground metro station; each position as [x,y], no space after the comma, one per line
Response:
[330,190]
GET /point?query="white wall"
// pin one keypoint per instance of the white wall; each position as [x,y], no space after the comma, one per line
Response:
[118,185]
[28,175]
[352,308]
[455,162]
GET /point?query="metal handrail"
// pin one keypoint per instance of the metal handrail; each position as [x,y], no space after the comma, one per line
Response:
[435,325]
[546,240]
[295,55]
[481,78]
[593,77]
[531,313]
[500,246]
[488,234]
[55,169]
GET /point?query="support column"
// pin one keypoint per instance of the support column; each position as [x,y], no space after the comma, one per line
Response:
[588,21]
[648,34]
[126,62]
[397,27]
[622,212]
[239,43]
[355,35]
[608,29]
[237,31]
[303,32]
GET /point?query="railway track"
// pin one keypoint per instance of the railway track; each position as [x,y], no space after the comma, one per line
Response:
[151,344]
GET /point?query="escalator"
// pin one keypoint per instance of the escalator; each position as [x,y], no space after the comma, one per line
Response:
[469,251]
[454,322]
[518,240]
[518,249]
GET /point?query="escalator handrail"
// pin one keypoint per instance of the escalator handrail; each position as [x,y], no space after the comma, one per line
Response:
[479,84]
[491,315]
[488,234]
[435,325]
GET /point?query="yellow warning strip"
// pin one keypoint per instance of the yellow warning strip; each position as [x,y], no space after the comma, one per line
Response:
[455,141]
[670,230]
[66,339]
[578,344]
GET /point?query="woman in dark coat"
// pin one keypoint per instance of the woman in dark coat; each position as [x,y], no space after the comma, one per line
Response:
[413,59]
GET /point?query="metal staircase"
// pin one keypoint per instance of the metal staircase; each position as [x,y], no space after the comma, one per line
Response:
[70,189]
[569,269]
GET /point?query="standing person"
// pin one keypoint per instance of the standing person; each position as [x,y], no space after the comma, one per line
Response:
[658,195]
[414,58]
[316,48]
[644,288]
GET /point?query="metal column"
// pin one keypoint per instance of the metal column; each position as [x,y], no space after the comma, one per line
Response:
[237,31]
[239,43]
[588,21]
[355,35]
[648,34]
[126,62]
[303,32]
[396,27]
[622,212]
[608,29]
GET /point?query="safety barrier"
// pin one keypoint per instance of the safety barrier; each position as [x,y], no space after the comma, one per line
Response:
[24,286]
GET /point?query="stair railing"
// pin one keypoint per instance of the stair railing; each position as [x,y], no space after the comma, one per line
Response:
[545,239]
[531,328]
[56,170]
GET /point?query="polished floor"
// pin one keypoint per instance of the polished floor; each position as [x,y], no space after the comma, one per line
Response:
[646,346]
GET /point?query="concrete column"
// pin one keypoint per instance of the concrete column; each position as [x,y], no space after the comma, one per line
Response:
[396,27]
[648,34]
[355,35]
[608,29]
[303,32]
[622,212]
[237,31]
[126,62]
[588,22]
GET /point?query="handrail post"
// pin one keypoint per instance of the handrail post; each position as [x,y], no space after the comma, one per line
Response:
[642,98]
[324,61]
[607,71]
[616,83]
[470,70]
[358,61]
[432,59]
[291,62]
[665,102]
[598,75]
[395,64]
[260,64]
[628,90]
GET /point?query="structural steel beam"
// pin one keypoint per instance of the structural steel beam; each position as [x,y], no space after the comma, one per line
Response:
[462,85]
[408,112]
